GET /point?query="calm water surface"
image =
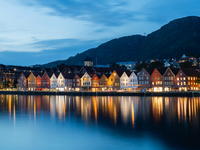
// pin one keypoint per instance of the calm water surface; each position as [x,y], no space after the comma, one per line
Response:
[120,123]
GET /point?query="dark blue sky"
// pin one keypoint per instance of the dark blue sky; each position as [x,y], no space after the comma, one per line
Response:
[41,31]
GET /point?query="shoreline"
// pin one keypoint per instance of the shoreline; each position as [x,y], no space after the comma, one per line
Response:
[181,94]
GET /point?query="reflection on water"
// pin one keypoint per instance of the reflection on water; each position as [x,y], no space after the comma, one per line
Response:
[175,120]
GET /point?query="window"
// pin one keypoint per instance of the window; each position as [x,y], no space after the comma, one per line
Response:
[184,83]
[180,78]
[151,78]
[152,83]
[180,74]
[177,79]
[183,78]
[177,83]
[188,78]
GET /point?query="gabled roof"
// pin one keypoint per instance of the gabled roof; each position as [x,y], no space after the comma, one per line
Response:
[87,69]
[26,74]
[120,73]
[68,75]
[107,75]
[56,74]
[162,70]
[175,70]
[37,74]
[80,75]
[190,72]
[50,74]
[150,71]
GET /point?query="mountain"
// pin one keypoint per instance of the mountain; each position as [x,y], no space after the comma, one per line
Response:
[178,37]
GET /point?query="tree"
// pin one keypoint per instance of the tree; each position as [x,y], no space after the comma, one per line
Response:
[115,65]
[141,66]
[156,64]
[186,65]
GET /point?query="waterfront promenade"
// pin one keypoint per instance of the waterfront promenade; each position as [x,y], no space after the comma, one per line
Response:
[111,93]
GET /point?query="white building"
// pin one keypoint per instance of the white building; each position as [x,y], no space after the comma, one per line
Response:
[53,81]
[133,81]
[124,81]
[86,80]
[61,82]
[68,81]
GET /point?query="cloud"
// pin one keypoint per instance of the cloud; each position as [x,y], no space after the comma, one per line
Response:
[107,13]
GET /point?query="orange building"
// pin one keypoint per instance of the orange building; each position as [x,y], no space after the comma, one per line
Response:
[114,81]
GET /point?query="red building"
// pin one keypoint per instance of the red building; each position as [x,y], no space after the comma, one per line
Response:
[144,79]
[45,81]
[157,79]
[38,82]
[169,77]
[76,82]
[95,82]
[181,81]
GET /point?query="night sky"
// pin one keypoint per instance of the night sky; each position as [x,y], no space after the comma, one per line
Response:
[41,31]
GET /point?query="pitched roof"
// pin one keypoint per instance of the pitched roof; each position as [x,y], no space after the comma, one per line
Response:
[150,71]
[37,74]
[68,75]
[162,70]
[119,73]
[26,74]
[56,74]
[175,70]
[50,74]
[80,75]
[107,75]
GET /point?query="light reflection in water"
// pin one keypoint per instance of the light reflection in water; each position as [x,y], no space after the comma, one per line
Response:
[176,116]
[126,110]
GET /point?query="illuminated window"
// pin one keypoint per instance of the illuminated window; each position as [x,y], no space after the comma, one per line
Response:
[181,83]
[183,78]
[188,78]
[184,83]
[177,83]
[188,83]
[177,79]
[152,83]
[194,78]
